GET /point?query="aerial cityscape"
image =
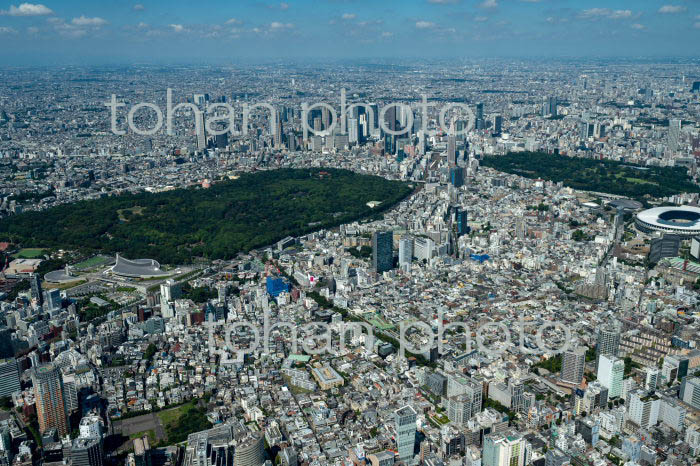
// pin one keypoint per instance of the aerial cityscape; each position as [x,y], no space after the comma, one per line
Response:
[350,233]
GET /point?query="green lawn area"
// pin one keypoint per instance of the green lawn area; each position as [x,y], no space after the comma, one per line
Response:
[183,421]
[91,262]
[30,253]
[640,181]
[171,416]
[381,324]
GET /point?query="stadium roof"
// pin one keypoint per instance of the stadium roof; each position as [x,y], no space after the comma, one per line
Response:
[137,268]
[684,220]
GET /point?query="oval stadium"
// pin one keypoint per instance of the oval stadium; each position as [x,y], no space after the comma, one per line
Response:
[683,220]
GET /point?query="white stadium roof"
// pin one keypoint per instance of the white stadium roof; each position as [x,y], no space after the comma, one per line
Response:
[682,220]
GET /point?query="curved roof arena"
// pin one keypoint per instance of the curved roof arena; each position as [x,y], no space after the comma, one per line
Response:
[682,220]
[137,268]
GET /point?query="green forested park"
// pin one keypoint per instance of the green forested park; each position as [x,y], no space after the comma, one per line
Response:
[605,176]
[176,226]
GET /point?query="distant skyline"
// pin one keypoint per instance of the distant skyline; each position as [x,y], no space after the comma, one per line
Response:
[87,32]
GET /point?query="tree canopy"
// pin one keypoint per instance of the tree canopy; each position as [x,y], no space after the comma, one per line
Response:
[605,176]
[255,210]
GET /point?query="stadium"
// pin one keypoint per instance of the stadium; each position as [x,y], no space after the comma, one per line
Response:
[137,268]
[683,220]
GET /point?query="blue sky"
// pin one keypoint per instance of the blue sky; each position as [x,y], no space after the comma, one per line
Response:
[186,31]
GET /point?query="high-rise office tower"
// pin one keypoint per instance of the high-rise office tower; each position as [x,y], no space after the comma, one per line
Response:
[461,221]
[690,391]
[549,106]
[405,251]
[674,135]
[479,111]
[611,371]
[9,377]
[50,402]
[86,452]
[201,131]
[405,425]
[452,146]
[451,150]
[586,130]
[53,299]
[608,340]
[505,450]
[326,118]
[457,176]
[573,363]
[382,251]
[498,124]
[464,398]
[35,282]
[353,131]
[278,130]
[221,141]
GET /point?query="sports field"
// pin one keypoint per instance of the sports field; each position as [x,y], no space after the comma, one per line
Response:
[30,253]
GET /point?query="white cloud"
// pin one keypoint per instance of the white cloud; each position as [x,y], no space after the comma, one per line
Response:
[27,9]
[85,21]
[443,2]
[139,7]
[276,25]
[425,24]
[697,25]
[32,30]
[142,25]
[177,27]
[234,21]
[489,4]
[387,34]
[7,30]
[606,13]
[672,9]
[284,6]
[349,16]
[620,14]
[481,19]
[639,27]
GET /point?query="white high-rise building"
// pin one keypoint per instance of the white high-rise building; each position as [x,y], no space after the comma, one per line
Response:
[643,409]
[423,248]
[652,378]
[672,413]
[505,450]
[91,427]
[169,291]
[611,371]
